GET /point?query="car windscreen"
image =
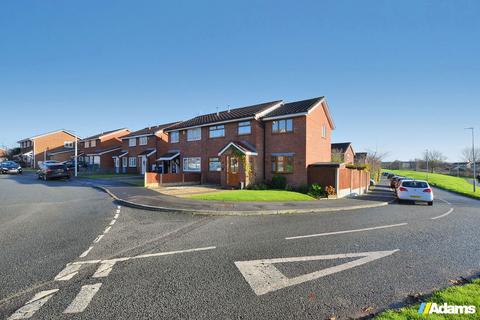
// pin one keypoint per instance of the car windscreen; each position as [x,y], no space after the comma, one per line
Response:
[56,167]
[414,184]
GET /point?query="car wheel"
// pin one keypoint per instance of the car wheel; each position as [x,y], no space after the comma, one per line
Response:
[430,203]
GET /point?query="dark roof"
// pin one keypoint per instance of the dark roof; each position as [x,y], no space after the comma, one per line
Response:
[149,130]
[233,114]
[102,134]
[342,146]
[60,150]
[146,151]
[105,150]
[243,146]
[294,107]
[169,155]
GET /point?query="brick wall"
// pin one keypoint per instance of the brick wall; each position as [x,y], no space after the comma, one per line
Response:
[49,142]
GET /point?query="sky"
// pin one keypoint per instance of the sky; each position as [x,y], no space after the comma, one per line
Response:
[399,76]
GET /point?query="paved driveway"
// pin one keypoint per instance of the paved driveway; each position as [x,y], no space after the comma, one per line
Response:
[151,265]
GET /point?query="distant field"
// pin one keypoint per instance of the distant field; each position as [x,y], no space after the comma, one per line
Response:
[454,184]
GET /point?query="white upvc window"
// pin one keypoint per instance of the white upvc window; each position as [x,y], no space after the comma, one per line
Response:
[124,162]
[194,134]
[132,142]
[68,144]
[244,127]
[192,164]
[87,144]
[217,131]
[142,141]
[324,131]
[96,160]
[282,126]
[174,136]
[132,162]
[93,143]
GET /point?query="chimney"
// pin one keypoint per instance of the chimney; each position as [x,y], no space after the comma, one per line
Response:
[228,108]
[218,113]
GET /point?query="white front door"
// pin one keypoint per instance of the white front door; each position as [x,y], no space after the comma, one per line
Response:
[144,164]
[117,165]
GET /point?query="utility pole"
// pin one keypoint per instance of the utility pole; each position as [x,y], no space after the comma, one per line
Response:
[473,159]
[75,162]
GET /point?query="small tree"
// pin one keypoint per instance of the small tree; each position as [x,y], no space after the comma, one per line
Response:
[434,159]
[374,163]
[337,156]
[467,155]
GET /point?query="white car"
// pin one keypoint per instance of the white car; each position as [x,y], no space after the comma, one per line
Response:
[415,190]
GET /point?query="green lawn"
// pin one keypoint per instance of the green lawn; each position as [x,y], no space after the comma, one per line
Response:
[454,184]
[465,295]
[253,195]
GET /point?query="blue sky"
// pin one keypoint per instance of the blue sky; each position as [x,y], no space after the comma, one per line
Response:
[400,76]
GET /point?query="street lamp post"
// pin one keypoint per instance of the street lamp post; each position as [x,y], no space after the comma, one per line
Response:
[473,159]
[75,162]
[426,156]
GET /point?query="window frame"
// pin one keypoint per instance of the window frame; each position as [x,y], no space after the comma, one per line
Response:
[217,128]
[211,160]
[242,125]
[68,144]
[176,134]
[277,128]
[287,161]
[87,144]
[130,162]
[187,159]
[324,131]
[130,144]
[143,139]
[93,143]
[194,138]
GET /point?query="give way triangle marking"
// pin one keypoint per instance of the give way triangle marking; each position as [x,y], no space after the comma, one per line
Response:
[264,277]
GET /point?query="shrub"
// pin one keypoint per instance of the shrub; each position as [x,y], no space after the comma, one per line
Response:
[258,186]
[304,188]
[316,191]
[278,182]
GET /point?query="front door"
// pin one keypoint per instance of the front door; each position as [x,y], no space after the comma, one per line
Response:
[143,164]
[233,172]
[117,165]
[124,164]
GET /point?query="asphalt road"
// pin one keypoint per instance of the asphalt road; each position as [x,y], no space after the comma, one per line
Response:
[392,252]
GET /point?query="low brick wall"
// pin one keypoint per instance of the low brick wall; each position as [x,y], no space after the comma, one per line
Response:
[155,180]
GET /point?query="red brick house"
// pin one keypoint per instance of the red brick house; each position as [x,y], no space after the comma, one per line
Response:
[252,144]
[97,151]
[37,148]
[343,152]
[3,155]
[139,149]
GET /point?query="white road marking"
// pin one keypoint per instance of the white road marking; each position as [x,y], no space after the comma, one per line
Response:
[33,305]
[97,239]
[119,207]
[445,201]
[263,277]
[106,267]
[116,216]
[83,298]
[107,229]
[347,231]
[84,254]
[113,222]
[443,215]
[68,272]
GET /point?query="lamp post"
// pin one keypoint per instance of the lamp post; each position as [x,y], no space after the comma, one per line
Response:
[473,159]
[75,161]
[426,156]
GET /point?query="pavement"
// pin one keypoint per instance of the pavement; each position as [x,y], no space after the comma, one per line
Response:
[147,199]
[107,261]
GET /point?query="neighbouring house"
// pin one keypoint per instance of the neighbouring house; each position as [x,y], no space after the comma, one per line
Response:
[343,152]
[3,155]
[361,158]
[97,151]
[140,149]
[36,149]
[63,153]
[249,145]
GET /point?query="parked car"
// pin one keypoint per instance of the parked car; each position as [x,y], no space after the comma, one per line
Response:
[399,181]
[415,190]
[10,167]
[70,164]
[53,170]
[390,176]
[393,181]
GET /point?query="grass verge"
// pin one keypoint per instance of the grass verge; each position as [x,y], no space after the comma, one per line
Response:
[464,295]
[253,195]
[443,181]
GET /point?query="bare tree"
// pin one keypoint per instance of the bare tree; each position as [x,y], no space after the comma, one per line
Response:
[467,154]
[337,156]
[434,159]
[374,162]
